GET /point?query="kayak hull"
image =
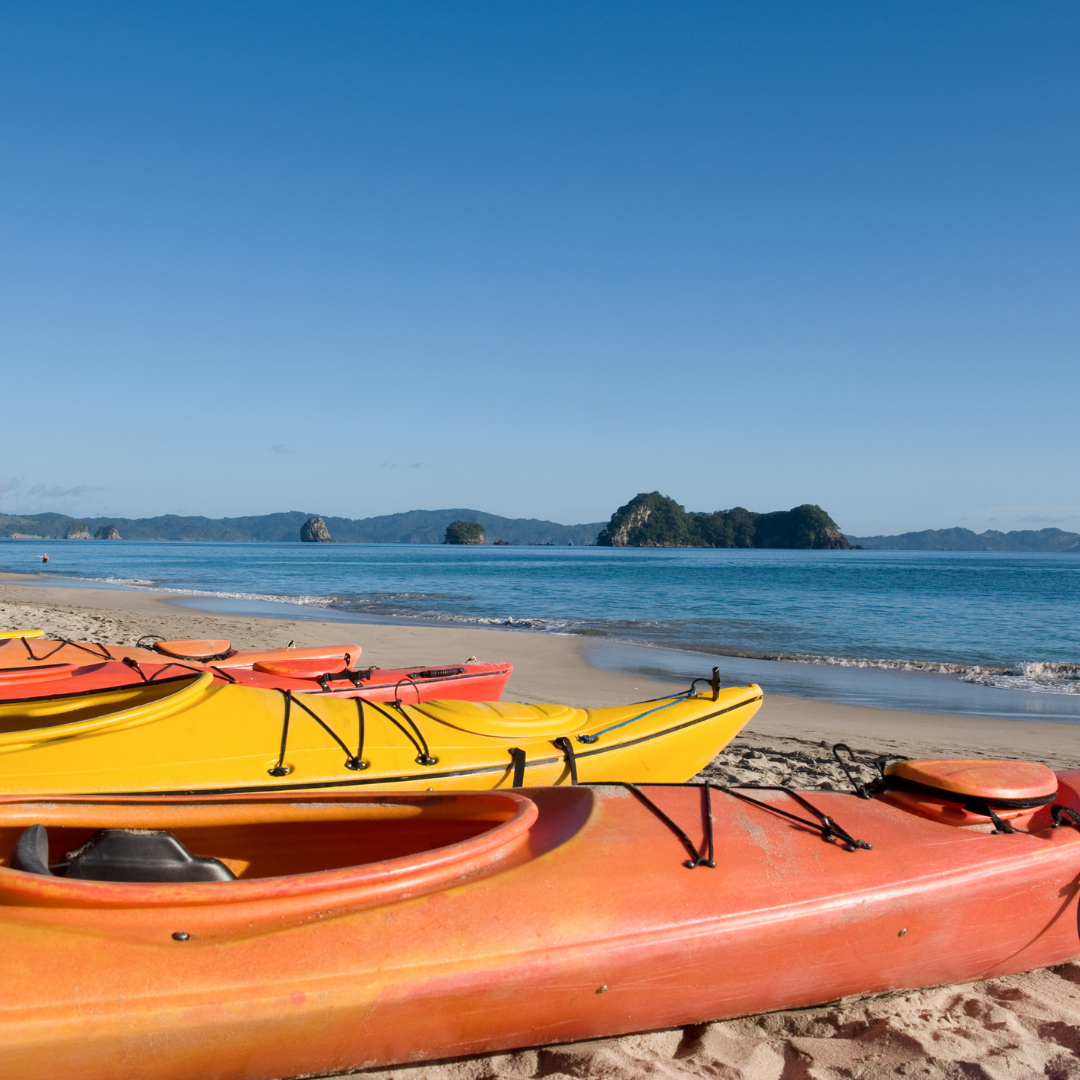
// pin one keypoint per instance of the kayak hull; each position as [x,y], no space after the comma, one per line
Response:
[594,928]
[192,734]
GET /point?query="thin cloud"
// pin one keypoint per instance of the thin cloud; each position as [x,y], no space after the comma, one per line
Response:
[39,498]
[1048,519]
[43,492]
[281,448]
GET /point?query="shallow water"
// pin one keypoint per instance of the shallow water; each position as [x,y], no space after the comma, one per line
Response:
[1005,622]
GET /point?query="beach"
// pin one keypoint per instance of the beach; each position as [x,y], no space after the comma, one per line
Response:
[1011,1027]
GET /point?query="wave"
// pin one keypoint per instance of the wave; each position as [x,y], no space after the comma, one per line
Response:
[1037,676]
[152,585]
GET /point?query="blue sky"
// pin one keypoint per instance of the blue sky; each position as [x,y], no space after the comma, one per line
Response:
[533,258]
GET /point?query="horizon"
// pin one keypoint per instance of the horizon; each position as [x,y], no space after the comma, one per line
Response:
[106,518]
[538,258]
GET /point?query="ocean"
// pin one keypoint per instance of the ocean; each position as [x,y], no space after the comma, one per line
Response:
[981,633]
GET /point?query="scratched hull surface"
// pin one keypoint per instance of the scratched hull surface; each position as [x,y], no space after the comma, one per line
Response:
[586,923]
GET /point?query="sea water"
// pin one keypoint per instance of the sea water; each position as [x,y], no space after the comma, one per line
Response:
[985,633]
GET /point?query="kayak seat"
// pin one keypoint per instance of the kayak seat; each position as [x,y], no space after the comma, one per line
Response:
[958,791]
[120,855]
[504,719]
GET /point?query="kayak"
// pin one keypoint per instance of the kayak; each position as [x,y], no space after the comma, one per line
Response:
[166,732]
[30,648]
[246,938]
[325,677]
[325,669]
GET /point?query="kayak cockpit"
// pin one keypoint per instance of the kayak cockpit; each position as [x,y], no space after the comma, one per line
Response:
[270,857]
[309,843]
[44,717]
[26,714]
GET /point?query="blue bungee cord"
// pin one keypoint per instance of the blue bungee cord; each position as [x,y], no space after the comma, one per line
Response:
[714,683]
[667,704]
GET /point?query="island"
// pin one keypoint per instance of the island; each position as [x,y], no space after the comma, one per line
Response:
[314,531]
[655,520]
[464,532]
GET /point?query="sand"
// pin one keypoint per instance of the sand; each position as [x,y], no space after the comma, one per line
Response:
[1009,1028]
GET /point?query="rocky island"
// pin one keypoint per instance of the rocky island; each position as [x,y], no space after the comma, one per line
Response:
[464,532]
[654,520]
[314,531]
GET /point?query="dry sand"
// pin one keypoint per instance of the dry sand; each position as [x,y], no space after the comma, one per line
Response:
[1009,1028]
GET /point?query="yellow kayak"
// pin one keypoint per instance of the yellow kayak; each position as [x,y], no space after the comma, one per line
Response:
[190,734]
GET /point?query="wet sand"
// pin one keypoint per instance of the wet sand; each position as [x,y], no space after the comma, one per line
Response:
[1001,1029]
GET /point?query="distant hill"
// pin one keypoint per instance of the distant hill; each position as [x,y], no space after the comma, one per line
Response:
[414,527]
[966,540]
[655,520]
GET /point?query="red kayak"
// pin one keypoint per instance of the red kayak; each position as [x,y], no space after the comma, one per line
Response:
[461,682]
[248,938]
[333,670]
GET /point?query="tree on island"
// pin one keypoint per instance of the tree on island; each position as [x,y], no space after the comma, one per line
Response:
[464,532]
[654,520]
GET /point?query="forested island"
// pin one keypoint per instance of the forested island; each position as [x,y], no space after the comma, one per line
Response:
[654,520]
[464,532]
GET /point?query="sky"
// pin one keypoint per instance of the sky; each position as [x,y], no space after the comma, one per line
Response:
[534,258]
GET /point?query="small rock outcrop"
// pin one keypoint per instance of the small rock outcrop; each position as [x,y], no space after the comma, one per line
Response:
[314,531]
[107,532]
[77,531]
[464,532]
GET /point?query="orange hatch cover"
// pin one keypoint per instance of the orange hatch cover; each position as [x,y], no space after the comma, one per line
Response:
[979,779]
[201,649]
[302,669]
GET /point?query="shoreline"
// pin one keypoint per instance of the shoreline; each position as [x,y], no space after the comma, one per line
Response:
[1009,1028]
[549,667]
[1034,689]
[886,661]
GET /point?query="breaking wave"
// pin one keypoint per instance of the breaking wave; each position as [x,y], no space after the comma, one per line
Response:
[1038,676]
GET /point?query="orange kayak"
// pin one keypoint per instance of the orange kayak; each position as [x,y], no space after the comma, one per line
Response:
[30,648]
[252,937]
[327,669]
